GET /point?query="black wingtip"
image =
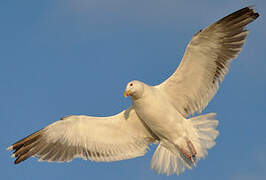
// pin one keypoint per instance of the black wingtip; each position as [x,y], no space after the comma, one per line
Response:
[254,14]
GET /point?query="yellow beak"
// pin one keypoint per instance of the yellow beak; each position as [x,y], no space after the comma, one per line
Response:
[127,93]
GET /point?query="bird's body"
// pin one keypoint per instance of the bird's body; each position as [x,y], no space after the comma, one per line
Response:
[158,114]
[170,127]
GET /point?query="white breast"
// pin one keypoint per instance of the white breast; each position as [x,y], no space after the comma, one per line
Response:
[160,115]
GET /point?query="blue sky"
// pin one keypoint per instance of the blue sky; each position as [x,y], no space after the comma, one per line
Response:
[76,56]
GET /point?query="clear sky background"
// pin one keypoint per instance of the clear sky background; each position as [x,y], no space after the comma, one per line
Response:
[76,56]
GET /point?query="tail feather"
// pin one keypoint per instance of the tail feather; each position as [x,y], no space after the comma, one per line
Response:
[165,162]
[202,135]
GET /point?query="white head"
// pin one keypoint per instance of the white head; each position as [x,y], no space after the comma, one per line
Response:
[134,89]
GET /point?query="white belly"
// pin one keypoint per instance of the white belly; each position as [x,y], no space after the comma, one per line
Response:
[161,117]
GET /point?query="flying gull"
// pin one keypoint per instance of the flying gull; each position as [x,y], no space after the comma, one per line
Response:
[158,114]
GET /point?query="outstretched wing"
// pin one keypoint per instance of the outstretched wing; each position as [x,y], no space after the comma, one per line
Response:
[113,138]
[206,61]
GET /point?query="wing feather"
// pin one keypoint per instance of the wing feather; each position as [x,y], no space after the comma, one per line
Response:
[111,138]
[206,61]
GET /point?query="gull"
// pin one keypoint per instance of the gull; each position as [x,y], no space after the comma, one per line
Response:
[161,114]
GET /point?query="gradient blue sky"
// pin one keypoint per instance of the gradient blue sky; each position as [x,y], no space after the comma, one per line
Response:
[76,56]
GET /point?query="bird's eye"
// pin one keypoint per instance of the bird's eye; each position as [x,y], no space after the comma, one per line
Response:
[131,84]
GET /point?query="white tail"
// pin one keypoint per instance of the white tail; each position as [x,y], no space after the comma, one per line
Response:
[202,135]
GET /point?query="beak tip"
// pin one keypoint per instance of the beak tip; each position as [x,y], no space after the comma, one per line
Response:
[126,94]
